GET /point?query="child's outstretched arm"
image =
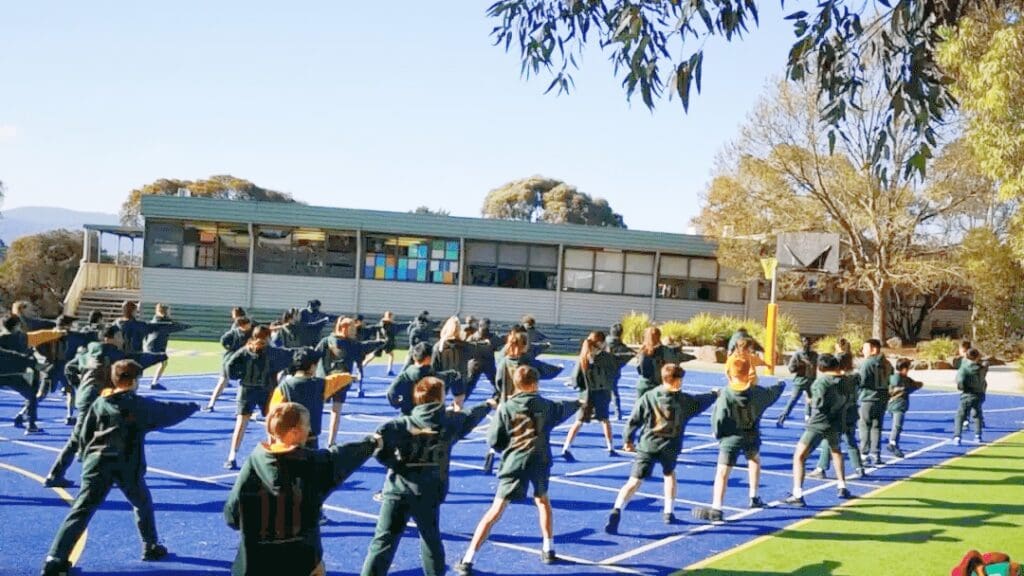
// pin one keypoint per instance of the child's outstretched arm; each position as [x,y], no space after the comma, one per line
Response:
[345,459]
[166,414]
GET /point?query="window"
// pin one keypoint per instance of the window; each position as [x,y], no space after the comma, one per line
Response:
[304,252]
[340,257]
[406,259]
[512,265]
[197,245]
[608,272]
[697,279]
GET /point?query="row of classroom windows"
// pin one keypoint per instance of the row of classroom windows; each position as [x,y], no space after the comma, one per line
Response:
[315,252]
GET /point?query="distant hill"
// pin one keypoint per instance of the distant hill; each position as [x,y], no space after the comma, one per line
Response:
[18,222]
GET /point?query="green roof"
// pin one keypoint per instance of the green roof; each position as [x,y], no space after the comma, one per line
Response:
[410,224]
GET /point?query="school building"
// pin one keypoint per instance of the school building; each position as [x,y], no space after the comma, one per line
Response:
[203,256]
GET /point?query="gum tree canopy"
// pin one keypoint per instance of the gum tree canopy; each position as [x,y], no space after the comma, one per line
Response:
[657,47]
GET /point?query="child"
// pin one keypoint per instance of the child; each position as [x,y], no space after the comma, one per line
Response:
[453,353]
[900,389]
[421,330]
[595,373]
[113,450]
[662,414]
[742,334]
[653,355]
[160,330]
[970,381]
[387,331]
[522,430]
[304,387]
[232,341]
[311,324]
[339,353]
[849,383]
[484,363]
[283,333]
[255,366]
[89,372]
[874,396]
[623,354]
[826,423]
[400,393]
[736,423]
[278,496]
[133,331]
[417,450]
[802,365]
[514,356]
[17,373]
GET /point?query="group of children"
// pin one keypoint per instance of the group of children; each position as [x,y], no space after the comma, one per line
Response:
[290,372]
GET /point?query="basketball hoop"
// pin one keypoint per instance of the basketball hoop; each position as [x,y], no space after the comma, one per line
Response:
[768,266]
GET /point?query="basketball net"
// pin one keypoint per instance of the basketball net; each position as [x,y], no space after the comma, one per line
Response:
[768,266]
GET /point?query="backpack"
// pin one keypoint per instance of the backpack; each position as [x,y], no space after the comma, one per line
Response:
[975,563]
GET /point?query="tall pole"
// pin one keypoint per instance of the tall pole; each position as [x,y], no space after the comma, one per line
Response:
[770,266]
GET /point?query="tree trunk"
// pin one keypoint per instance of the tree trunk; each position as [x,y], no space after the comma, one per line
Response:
[878,299]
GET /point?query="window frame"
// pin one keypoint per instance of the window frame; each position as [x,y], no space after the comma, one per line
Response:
[526,274]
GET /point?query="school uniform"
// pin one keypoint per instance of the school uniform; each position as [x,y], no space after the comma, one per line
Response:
[388,332]
[401,389]
[160,330]
[89,373]
[970,381]
[310,326]
[623,354]
[232,341]
[803,365]
[341,355]
[736,420]
[483,361]
[417,451]
[900,389]
[257,376]
[16,374]
[662,415]
[112,440]
[16,341]
[276,504]
[133,333]
[649,366]
[874,397]
[503,385]
[419,332]
[521,431]
[286,337]
[456,356]
[735,339]
[827,412]
[848,385]
[595,386]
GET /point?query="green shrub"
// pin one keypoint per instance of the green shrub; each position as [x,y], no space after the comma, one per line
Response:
[633,326]
[854,333]
[676,331]
[937,349]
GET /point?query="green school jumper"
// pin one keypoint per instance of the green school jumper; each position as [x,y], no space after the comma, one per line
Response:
[521,431]
[662,415]
[900,389]
[417,450]
[400,391]
[828,407]
[874,396]
[595,386]
[276,504]
[649,367]
[736,421]
[970,381]
[804,367]
[848,385]
[113,451]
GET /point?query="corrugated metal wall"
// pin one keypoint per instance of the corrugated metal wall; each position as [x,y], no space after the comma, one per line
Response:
[666,309]
[277,291]
[206,287]
[506,304]
[599,309]
[406,299]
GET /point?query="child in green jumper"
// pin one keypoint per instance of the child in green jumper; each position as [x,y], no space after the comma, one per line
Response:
[113,450]
[901,387]
[596,372]
[662,414]
[970,381]
[522,430]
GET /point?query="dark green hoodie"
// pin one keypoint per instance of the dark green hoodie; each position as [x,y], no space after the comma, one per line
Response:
[649,367]
[663,415]
[739,413]
[115,427]
[828,403]
[522,427]
[400,392]
[276,504]
[89,372]
[874,379]
[418,447]
[970,378]
[602,374]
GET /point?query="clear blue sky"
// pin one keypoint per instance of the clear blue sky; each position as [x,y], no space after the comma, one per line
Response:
[386,105]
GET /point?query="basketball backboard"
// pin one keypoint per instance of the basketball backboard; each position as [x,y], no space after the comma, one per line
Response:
[808,251]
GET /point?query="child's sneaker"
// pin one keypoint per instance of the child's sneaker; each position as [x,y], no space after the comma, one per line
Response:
[548,557]
[709,514]
[54,567]
[33,429]
[797,501]
[844,494]
[956,441]
[756,502]
[19,421]
[231,465]
[464,569]
[979,440]
[612,453]
[817,474]
[612,526]
[207,408]
[391,372]
[52,482]
[154,552]
[70,421]
[862,472]
[896,451]
[878,459]
[568,456]
[157,386]
[669,518]
[489,464]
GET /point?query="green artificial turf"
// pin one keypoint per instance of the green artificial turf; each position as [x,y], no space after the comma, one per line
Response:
[923,525]
[196,357]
